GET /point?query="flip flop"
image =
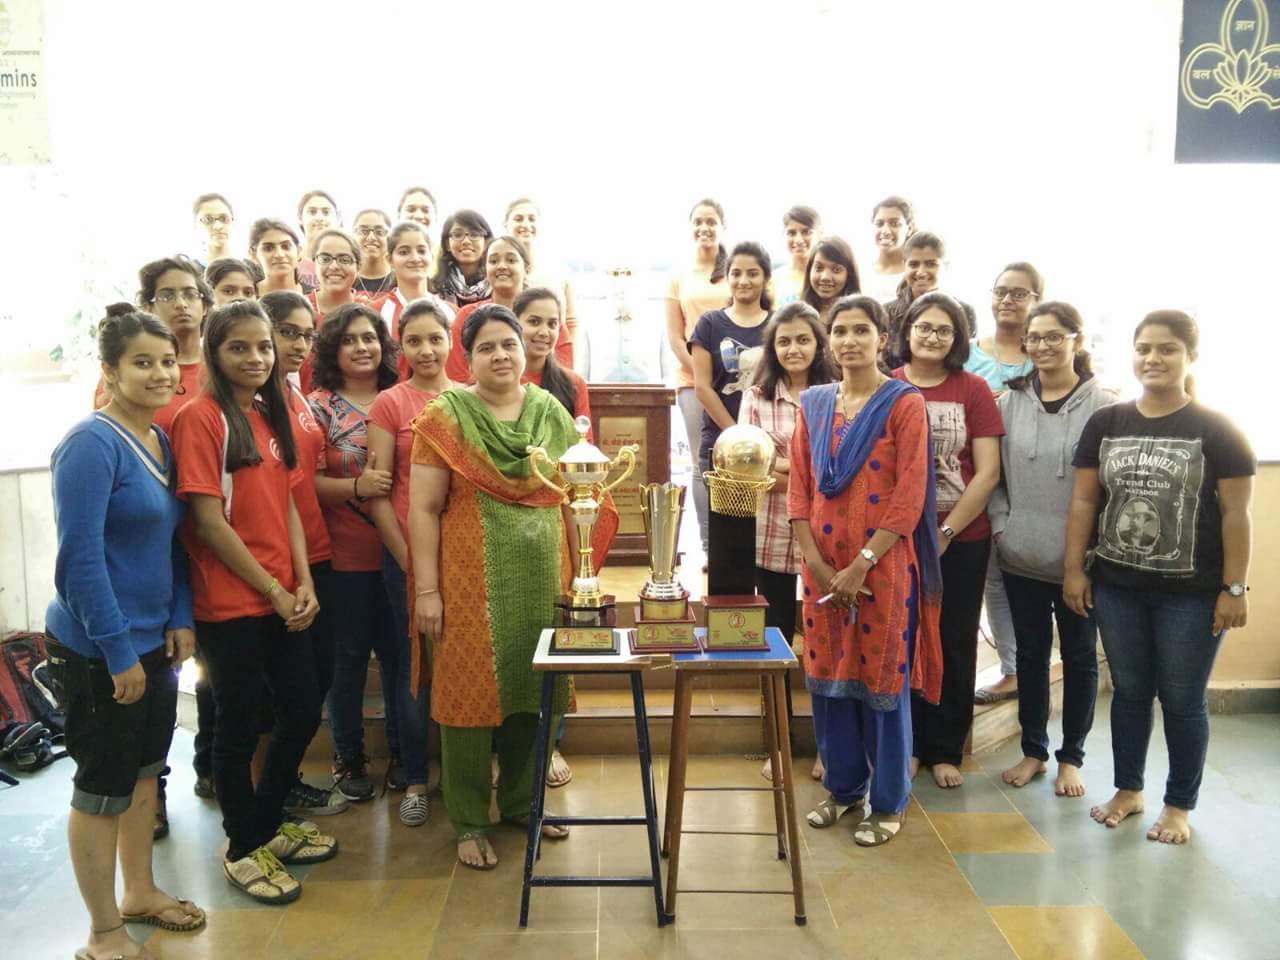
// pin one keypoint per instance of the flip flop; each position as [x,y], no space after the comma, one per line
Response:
[985,696]
[194,920]
[484,848]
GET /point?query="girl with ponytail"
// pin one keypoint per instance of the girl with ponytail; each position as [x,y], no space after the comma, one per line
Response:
[1161,508]
[1044,414]
[691,292]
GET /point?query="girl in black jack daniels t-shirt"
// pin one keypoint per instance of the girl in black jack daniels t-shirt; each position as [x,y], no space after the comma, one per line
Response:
[1168,483]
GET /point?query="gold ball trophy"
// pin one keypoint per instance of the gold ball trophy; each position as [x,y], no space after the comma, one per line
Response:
[664,623]
[585,617]
[742,461]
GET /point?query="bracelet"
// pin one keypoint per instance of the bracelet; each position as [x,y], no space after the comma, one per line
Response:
[272,588]
[423,593]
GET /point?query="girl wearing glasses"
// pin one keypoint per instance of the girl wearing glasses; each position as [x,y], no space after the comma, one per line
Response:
[892,222]
[1044,414]
[831,273]
[522,221]
[924,258]
[966,430]
[1160,502]
[506,269]
[460,271]
[998,359]
[213,215]
[174,291]
[274,247]
[375,276]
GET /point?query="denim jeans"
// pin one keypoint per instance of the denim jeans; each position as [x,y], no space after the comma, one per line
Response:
[411,712]
[362,623]
[1035,605]
[1000,618]
[239,654]
[1158,643]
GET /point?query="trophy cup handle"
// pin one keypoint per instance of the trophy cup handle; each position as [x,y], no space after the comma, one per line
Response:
[626,456]
[538,455]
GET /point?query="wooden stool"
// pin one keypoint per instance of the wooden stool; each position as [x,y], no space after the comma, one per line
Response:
[771,667]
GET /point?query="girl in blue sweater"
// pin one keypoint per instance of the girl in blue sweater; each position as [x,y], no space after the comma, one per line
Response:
[119,623]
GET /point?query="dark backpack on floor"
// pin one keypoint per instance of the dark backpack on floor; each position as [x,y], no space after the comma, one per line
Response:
[27,693]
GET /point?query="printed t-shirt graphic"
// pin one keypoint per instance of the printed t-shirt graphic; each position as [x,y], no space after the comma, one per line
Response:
[947,424]
[1149,521]
[739,360]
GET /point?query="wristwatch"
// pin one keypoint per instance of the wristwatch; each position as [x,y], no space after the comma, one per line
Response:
[1236,589]
[948,531]
[868,555]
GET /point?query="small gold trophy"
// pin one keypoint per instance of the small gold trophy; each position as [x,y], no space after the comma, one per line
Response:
[663,620]
[742,474]
[584,616]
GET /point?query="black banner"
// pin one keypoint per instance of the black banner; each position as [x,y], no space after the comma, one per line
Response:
[1229,82]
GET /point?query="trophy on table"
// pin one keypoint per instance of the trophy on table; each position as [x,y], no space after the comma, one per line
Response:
[664,623]
[585,616]
[742,475]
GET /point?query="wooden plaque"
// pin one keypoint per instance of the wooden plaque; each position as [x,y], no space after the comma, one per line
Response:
[735,623]
[623,413]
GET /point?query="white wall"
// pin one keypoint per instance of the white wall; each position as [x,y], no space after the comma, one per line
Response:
[1027,129]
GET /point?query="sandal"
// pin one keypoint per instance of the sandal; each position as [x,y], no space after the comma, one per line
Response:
[84,953]
[829,811]
[195,917]
[558,770]
[878,829]
[483,846]
[985,696]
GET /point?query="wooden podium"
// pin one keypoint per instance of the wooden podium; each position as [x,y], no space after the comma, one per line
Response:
[623,413]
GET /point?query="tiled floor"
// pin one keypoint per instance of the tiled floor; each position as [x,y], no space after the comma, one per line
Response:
[985,872]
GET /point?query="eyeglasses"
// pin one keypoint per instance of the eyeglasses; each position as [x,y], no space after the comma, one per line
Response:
[1017,293]
[460,235]
[188,295]
[1049,339]
[327,259]
[371,232]
[291,334]
[209,219]
[925,330]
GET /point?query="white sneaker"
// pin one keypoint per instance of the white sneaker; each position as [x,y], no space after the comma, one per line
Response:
[262,876]
[301,842]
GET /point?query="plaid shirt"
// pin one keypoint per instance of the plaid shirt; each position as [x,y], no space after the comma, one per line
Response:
[776,547]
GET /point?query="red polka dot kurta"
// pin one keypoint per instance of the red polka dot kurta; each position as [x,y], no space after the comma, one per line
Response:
[862,654]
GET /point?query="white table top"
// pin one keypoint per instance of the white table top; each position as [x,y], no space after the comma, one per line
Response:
[600,663]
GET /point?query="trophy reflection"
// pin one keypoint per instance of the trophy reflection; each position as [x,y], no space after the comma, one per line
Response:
[663,619]
[585,615]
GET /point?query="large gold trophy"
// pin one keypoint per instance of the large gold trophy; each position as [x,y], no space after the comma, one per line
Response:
[663,620]
[585,616]
[741,475]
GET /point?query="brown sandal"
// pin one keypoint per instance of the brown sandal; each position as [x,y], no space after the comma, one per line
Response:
[195,920]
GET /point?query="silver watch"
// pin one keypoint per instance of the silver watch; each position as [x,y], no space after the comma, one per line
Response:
[868,555]
[1236,589]
[948,531]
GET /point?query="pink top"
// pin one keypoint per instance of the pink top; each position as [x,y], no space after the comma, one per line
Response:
[394,411]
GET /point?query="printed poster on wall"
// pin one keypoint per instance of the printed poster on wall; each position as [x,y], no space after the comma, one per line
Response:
[1229,82]
[24,108]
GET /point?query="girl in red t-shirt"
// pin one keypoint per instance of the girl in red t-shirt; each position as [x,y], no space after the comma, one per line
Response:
[409,250]
[254,599]
[424,344]
[506,267]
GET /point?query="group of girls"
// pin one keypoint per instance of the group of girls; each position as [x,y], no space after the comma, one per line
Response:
[294,443]
[925,472]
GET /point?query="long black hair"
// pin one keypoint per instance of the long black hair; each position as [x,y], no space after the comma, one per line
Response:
[442,282]
[554,379]
[769,373]
[749,248]
[325,371]
[958,355]
[271,399]
[837,251]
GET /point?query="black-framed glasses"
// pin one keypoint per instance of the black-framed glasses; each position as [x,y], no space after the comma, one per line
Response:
[221,219]
[327,259]
[1017,294]
[460,235]
[187,295]
[366,232]
[1054,339]
[293,334]
[924,330]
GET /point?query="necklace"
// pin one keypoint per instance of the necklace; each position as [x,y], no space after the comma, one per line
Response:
[851,406]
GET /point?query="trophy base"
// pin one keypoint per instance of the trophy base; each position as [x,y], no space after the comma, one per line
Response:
[664,635]
[735,622]
[585,631]
[676,608]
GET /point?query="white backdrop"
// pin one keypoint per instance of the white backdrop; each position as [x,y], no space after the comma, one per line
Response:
[1022,129]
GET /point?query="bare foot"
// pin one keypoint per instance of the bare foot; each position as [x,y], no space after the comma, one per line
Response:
[818,770]
[475,851]
[915,767]
[1022,772]
[1069,782]
[947,775]
[767,770]
[1171,826]
[158,903]
[1124,804]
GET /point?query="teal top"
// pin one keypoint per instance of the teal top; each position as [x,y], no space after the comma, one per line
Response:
[995,372]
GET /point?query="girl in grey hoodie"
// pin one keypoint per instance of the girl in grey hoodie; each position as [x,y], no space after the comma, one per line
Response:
[1044,414]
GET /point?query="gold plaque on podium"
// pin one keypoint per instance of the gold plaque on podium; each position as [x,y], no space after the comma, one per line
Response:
[735,623]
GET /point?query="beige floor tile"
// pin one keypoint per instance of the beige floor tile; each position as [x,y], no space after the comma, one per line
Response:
[242,934]
[988,833]
[1064,933]
[524,945]
[395,918]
